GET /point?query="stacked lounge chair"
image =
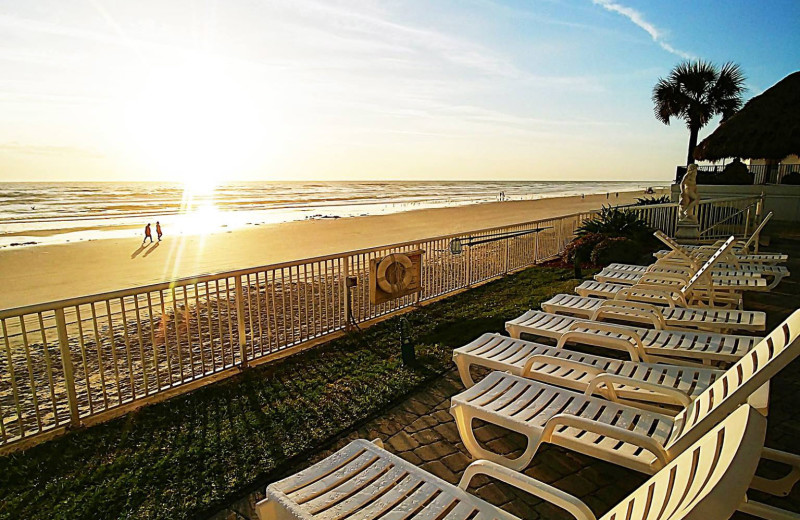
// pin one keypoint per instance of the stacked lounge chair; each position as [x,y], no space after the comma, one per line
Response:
[698,429]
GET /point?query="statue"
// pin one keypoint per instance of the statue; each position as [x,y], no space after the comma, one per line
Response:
[689,196]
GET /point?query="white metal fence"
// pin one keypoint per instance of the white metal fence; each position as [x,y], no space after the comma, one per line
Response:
[84,360]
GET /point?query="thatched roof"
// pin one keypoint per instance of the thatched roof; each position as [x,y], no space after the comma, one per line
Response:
[767,127]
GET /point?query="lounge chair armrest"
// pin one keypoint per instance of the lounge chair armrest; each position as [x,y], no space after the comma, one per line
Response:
[623,310]
[609,380]
[671,295]
[552,360]
[630,341]
[672,279]
[555,496]
[685,271]
[606,430]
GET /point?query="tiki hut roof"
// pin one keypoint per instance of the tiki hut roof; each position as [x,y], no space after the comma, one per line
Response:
[767,127]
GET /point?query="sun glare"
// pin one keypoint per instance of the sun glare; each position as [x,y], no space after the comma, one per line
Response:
[194,124]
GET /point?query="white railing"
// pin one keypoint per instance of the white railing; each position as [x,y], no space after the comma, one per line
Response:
[718,218]
[84,360]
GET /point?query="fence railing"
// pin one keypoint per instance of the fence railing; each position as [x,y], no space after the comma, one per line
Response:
[718,218]
[84,360]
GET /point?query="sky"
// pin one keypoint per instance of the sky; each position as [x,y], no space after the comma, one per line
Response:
[206,91]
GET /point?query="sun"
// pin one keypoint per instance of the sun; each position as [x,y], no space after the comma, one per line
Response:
[194,124]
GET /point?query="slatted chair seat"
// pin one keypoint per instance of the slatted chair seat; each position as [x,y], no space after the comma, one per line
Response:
[365,482]
[773,273]
[754,258]
[716,320]
[646,383]
[657,345]
[590,425]
[658,294]
[731,280]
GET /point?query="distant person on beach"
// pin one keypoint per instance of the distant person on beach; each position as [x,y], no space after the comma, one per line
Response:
[158,231]
[147,234]
[617,197]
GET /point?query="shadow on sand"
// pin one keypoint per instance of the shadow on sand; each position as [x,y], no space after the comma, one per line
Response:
[155,246]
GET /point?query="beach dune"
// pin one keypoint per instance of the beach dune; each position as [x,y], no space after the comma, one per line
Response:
[52,272]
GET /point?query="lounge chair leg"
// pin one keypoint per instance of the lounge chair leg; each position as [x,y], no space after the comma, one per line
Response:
[463,370]
[768,512]
[782,486]
[775,281]
[464,424]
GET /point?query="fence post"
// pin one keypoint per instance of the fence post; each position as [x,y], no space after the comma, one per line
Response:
[240,320]
[346,292]
[69,372]
[505,261]
[536,247]
[469,266]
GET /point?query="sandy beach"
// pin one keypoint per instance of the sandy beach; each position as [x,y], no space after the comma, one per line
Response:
[52,272]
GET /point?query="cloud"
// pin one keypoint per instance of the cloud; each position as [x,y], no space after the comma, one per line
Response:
[636,17]
[47,150]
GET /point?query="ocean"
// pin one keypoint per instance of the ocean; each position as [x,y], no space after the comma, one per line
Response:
[39,213]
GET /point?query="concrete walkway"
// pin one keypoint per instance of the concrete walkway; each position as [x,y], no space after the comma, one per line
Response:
[422,431]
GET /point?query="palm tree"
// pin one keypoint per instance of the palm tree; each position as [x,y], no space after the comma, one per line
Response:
[697,91]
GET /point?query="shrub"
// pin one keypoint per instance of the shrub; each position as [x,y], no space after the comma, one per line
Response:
[615,222]
[648,201]
[616,249]
[792,178]
[582,247]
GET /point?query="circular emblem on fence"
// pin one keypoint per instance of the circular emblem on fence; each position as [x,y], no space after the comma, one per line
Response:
[394,273]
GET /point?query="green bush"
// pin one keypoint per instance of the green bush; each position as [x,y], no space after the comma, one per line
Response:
[648,201]
[616,249]
[582,247]
[615,222]
[792,178]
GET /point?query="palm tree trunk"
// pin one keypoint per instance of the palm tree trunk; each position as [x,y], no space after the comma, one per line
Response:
[693,131]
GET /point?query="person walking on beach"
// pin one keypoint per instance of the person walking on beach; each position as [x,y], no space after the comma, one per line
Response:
[158,231]
[147,234]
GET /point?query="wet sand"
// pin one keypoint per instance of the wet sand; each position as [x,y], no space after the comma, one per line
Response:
[52,272]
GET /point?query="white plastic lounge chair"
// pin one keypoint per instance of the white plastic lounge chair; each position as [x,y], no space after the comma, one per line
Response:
[700,253]
[672,290]
[641,440]
[615,379]
[721,270]
[714,320]
[363,481]
[736,280]
[642,344]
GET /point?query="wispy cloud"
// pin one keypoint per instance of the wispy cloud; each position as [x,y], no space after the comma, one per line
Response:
[637,18]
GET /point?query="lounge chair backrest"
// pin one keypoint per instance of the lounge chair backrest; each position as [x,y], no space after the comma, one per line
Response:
[668,241]
[737,384]
[708,480]
[756,232]
[712,260]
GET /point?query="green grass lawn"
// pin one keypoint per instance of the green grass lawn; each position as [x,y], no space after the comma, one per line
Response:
[187,457]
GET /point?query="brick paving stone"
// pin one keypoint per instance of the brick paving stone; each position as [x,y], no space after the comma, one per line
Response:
[487,433]
[576,485]
[505,445]
[434,451]
[416,407]
[411,457]
[491,492]
[426,421]
[428,436]
[442,416]
[449,432]
[543,472]
[456,462]
[440,470]
[402,442]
